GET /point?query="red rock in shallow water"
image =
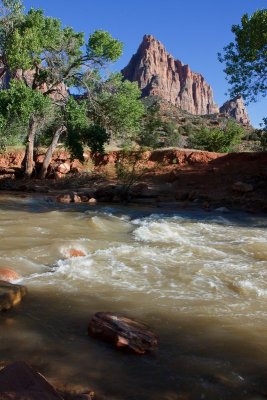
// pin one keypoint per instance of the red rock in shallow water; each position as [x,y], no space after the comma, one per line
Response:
[123,332]
[76,253]
[8,275]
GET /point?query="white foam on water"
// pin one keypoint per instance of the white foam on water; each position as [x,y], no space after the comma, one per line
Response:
[167,259]
[252,287]
[160,232]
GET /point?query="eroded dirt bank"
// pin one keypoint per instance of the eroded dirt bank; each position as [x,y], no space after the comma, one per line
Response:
[171,176]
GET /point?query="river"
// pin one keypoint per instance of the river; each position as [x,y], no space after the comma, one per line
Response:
[198,279]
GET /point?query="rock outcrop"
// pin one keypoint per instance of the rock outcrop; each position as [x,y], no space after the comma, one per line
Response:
[236,109]
[59,92]
[159,74]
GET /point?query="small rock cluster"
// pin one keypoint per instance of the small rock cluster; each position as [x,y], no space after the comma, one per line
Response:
[76,198]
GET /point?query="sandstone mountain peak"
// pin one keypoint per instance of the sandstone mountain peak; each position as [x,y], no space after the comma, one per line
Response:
[236,109]
[158,73]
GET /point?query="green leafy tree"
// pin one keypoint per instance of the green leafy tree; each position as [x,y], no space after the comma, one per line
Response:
[220,140]
[246,57]
[171,134]
[115,105]
[47,57]
[263,135]
[21,104]
[73,121]
[151,126]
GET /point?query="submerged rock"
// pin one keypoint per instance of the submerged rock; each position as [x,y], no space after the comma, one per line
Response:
[64,198]
[123,332]
[76,198]
[10,295]
[242,187]
[75,253]
[18,381]
[92,200]
[8,275]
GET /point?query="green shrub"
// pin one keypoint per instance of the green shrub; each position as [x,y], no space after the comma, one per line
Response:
[171,134]
[221,140]
[189,129]
[263,135]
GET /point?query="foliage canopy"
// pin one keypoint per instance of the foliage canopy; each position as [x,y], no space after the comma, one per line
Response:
[246,57]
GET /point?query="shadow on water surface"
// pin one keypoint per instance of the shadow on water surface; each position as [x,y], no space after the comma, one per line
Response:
[198,357]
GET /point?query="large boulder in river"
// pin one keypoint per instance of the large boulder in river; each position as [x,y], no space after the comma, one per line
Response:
[18,381]
[10,295]
[8,275]
[122,332]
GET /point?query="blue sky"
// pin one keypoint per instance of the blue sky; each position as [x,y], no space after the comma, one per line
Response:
[193,31]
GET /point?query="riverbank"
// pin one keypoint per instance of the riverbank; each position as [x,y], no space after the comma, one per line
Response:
[173,177]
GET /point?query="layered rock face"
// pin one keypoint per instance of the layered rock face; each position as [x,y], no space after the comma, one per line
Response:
[59,93]
[236,109]
[159,74]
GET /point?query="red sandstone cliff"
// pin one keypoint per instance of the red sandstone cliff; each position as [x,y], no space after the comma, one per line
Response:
[237,110]
[159,74]
[59,92]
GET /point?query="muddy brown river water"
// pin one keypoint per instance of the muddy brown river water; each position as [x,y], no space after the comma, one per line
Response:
[198,279]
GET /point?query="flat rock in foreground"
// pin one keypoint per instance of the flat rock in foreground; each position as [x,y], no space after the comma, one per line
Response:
[122,332]
[10,295]
[18,381]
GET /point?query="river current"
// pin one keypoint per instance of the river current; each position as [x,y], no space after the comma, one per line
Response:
[198,279]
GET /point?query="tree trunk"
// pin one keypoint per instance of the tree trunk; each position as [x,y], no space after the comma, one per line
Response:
[50,150]
[28,159]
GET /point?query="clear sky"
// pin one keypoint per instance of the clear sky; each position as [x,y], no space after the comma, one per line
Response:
[193,31]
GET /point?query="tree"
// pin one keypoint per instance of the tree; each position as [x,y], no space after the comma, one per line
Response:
[48,57]
[151,124]
[115,105]
[30,108]
[262,133]
[246,57]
